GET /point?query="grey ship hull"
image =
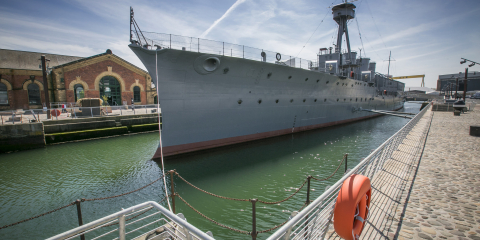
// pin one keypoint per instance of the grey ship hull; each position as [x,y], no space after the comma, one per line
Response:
[244,100]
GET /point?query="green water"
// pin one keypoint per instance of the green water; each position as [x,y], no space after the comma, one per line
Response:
[36,181]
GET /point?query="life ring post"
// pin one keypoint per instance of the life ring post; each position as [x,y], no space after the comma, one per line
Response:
[254,219]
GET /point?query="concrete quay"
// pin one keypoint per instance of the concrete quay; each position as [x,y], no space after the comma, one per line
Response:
[444,202]
[430,187]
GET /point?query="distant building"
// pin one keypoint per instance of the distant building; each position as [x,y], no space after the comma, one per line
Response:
[473,81]
[69,79]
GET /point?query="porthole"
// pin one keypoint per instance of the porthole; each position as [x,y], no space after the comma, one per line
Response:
[304,100]
[315,100]
[259,101]
[291,100]
[306,79]
[289,77]
[239,101]
[276,101]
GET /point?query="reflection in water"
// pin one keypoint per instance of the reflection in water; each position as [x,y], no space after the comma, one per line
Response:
[36,181]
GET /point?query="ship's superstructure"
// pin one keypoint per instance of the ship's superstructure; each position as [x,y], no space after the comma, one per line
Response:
[214,93]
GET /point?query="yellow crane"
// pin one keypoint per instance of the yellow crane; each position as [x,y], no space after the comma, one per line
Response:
[413,76]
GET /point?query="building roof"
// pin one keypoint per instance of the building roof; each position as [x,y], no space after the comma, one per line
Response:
[15,59]
[108,52]
[460,75]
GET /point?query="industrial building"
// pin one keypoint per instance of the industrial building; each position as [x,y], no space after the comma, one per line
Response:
[448,81]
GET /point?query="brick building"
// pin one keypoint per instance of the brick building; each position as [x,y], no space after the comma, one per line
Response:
[69,79]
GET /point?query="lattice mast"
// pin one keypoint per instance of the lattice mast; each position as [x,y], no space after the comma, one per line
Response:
[341,14]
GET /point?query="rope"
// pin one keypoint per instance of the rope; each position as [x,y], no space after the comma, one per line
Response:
[211,220]
[332,173]
[209,193]
[123,194]
[281,224]
[82,200]
[287,197]
[28,219]
[160,134]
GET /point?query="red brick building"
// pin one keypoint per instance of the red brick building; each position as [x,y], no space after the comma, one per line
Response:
[71,78]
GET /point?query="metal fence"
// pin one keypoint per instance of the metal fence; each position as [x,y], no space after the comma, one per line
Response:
[72,111]
[153,40]
[314,220]
[172,226]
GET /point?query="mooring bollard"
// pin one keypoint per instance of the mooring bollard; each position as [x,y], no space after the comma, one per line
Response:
[79,214]
[254,219]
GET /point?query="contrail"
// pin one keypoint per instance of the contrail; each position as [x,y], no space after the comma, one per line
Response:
[235,5]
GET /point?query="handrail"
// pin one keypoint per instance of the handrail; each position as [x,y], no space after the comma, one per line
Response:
[318,202]
[121,214]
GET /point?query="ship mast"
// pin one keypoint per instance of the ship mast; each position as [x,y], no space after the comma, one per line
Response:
[341,14]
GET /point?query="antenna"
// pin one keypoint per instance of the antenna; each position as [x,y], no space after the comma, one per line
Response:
[389,60]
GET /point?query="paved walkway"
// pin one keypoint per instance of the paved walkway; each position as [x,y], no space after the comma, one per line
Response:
[444,202]
[430,192]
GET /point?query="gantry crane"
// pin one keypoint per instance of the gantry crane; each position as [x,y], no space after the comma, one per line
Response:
[413,76]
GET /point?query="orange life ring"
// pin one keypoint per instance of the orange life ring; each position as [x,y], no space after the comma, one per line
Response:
[352,207]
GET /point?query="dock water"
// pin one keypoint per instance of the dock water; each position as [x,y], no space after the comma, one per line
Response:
[430,187]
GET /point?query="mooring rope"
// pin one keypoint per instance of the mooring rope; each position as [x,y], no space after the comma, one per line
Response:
[160,134]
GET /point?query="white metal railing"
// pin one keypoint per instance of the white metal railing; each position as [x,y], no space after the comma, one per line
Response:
[71,111]
[171,226]
[314,220]
[153,40]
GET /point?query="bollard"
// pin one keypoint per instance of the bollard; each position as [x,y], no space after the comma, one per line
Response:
[346,160]
[79,214]
[172,190]
[254,219]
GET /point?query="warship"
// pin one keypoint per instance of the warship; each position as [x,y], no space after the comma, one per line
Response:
[214,94]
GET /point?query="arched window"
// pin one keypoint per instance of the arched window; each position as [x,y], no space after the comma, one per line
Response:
[79,92]
[34,94]
[110,90]
[3,94]
[136,94]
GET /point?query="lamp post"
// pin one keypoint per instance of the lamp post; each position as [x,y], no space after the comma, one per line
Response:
[45,83]
[466,75]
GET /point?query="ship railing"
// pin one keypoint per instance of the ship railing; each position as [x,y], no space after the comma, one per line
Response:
[192,44]
[313,222]
[157,221]
[72,111]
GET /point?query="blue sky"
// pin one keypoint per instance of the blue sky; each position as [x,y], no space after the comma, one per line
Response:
[425,37]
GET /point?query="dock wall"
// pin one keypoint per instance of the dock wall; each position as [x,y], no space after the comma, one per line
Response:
[21,137]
